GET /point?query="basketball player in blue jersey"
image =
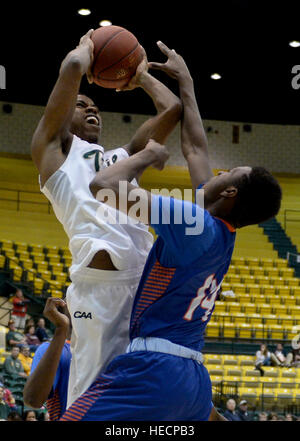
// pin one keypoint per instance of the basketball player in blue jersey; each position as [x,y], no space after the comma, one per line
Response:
[49,376]
[162,376]
[107,260]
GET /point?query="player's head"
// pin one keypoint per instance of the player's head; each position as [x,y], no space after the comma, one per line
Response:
[243,196]
[86,122]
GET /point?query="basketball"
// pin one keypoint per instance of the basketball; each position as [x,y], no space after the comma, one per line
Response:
[117,53]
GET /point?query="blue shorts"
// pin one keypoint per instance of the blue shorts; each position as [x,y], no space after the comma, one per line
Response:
[146,386]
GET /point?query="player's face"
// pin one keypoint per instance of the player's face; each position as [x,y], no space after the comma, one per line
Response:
[86,121]
[223,180]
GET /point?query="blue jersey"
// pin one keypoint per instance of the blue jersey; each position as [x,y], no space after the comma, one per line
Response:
[57,400]
[173,304]
[182,276]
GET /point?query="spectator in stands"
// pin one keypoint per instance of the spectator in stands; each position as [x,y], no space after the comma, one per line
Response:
[242,411]
[13,337]
[12,365]
[230,412]
[293,358]
[41,332]
[25,359]
[29,415]
[289,417]
[14,416]
[7,395]
[280,354]
[31,339]
[265,358]
[272,416]
[4,408]
[262,416]
[29,322]
[44,416]
[19,309]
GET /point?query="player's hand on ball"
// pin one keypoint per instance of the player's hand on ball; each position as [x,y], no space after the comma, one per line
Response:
[161,154]
[137,78]
[175,65]
[52,313]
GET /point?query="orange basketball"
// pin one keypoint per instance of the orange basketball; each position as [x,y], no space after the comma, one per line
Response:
[117,53]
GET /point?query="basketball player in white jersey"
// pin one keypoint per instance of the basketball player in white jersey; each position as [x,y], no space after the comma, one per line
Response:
[107,260]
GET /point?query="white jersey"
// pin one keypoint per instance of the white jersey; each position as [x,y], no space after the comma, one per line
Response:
[100,302]
[76,208]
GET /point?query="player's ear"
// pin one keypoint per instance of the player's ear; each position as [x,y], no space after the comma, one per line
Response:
[229,192]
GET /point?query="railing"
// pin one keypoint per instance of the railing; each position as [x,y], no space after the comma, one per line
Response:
[17,198]
[7,311]
[290,220]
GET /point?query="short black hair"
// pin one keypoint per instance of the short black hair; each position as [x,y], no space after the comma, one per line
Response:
[258,198]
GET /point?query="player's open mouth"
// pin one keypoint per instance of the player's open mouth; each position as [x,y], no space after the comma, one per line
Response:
[92,119]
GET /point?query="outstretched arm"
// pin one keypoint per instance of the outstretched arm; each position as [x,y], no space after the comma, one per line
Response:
[110,178]
[167,105]
[53,129]
[40,381]
[193,138]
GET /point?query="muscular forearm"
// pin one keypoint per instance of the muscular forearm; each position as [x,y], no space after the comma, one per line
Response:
[40,382]
[162,97]
[168,107]
[192,134]
[125,170]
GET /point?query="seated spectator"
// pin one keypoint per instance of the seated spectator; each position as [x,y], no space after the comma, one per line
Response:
[230,412]
[8,396]
[29,322]
[29,415]
[31,339]
[280,354]
[289,417]
[13,337]
[12,365]
[262,416]
[14,416]
[265,358]
[4,408]
[25,359]
[19,309]
[293,358]
[44,416]
[272,416]
[242,411]
[41,332]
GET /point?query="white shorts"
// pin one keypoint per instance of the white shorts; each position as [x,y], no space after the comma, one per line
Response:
[100,304]
[19,321]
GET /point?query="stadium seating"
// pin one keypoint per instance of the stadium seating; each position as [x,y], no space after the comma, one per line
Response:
[266,305]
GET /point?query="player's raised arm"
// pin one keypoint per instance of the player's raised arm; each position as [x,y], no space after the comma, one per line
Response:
[193,137]
[40,381]
[167,105]
[52,132]
[153,155]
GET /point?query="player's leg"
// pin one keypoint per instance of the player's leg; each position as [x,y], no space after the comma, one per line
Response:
[100,311]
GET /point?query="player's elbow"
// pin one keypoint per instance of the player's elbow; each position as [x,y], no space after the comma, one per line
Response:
[94,188]
[176,109]
[101,183]
[31,400]
[98,184]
